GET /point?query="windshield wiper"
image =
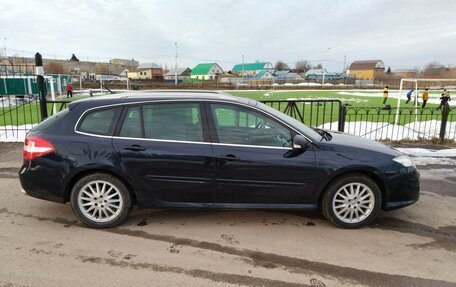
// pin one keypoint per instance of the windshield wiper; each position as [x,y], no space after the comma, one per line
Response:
[324,134]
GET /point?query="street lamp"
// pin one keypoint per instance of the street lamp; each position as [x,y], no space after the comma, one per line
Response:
[175,66]
[324,65]
[4,46]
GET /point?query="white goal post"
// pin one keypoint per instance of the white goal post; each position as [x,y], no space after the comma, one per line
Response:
[416,81]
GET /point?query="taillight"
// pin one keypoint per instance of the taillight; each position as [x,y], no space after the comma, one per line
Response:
[36,147]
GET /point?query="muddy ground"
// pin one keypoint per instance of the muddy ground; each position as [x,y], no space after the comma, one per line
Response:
[42,243]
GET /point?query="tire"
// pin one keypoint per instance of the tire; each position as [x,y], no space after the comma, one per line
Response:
[351,201]
[100,200]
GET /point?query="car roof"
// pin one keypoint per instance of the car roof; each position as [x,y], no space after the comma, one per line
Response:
[157,95]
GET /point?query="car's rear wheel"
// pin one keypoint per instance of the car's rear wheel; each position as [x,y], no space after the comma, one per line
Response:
[351,201]
[100,200]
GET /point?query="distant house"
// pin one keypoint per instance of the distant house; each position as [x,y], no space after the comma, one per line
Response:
[366,70]
[230,78]
[119,71]
[286,76]
[250,70]
[182,73]
[317,75]
[147,72]
[206,71]
[264,75]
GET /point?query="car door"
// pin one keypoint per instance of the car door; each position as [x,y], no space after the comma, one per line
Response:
[255,163]
[165,147]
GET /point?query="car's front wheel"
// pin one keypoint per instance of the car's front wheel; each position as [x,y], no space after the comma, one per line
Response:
[351,201]
[100,200]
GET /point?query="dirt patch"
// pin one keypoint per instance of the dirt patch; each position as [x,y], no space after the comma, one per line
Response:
[442,187]
[9,172]
[174,249]
[213,276]
[427,144]
[258,258]
[142,223]
[435,166]
[444,237]
[230,239]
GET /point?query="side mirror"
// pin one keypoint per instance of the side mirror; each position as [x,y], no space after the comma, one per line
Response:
[300,143]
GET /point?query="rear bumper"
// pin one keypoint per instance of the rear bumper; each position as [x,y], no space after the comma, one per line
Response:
[403,189]
[43,196]
[41,183]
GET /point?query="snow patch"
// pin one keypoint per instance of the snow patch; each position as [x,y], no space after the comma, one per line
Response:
[385,130]
[14,133]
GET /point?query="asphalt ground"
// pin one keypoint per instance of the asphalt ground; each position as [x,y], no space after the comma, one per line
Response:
[42,243]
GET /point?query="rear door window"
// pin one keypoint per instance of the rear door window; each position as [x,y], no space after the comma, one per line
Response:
[100,122]
[173,121]
[131,126]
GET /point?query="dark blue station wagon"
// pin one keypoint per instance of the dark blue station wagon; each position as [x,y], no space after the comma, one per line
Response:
[171,149]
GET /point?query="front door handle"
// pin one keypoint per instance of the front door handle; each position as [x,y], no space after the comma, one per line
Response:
[230,157]
[135,147]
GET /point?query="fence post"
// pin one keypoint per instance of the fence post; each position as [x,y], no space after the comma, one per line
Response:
[41,87]
[342,115]
[445,112]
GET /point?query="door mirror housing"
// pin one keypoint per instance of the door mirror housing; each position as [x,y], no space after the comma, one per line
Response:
[300,143]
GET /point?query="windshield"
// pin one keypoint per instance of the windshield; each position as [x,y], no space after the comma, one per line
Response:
[313,135]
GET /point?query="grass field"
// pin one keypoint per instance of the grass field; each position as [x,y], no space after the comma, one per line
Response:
[363,105]
[313,114]
[358,98]
[26,114]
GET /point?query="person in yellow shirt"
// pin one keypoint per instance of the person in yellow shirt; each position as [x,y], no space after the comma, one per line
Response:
[385,94]
[425,97]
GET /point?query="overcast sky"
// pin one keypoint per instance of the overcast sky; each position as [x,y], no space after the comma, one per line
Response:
[404,34]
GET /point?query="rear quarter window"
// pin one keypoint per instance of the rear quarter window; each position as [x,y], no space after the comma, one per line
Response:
[100,122]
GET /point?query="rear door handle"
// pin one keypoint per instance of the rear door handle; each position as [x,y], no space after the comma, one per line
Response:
[230,157]
[135,147]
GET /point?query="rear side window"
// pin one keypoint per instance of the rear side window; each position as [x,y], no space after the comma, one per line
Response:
[100,122]
[176,121]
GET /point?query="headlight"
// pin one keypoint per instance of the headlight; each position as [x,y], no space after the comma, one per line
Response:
[405,160]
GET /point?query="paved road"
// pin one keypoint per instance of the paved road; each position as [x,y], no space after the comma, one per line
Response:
[42,244]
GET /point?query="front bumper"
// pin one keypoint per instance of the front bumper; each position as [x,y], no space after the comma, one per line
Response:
[403,189]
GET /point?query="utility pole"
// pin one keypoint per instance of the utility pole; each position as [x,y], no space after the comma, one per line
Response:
[4,45]
[175,66]
[324,65]
[243,70]
[345,64]
[41,86]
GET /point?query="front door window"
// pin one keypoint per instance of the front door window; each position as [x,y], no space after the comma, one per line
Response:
[242,126]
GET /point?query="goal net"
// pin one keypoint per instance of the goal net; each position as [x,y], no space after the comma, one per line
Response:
[419,84]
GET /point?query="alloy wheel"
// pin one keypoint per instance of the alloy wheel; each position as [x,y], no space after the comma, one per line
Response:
[100,201]
[353,202]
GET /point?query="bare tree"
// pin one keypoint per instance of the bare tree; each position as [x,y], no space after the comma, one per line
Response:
[303,66]
[102,68]
[318,66]
[280,66]
[54,68]
[433,65]
[434,69]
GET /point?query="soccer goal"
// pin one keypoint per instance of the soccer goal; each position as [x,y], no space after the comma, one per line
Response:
[415,93]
